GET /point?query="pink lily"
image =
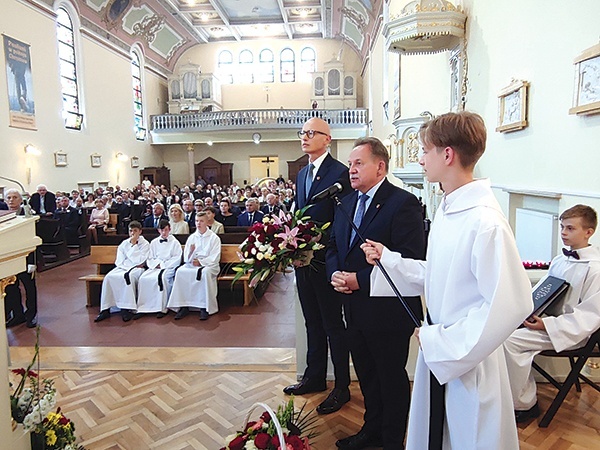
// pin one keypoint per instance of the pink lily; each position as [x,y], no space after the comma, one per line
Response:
[289,236]
[281,219]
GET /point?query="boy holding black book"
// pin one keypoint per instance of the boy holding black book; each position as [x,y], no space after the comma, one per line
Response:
[570,322]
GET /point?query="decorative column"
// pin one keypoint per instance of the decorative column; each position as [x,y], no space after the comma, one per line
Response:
[191,171]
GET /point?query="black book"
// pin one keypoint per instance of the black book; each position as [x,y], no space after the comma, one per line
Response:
[548,292]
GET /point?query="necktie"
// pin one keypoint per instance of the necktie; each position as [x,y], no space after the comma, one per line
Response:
[251,218]
[156,222]
[163,240]
[309,179]
[360,212]
[42,206]
[187,217]
[572,253]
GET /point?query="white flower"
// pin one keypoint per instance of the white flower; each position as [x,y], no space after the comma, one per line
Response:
[259,256]
[264,248]
[250,446]
[249,261]
[253,251]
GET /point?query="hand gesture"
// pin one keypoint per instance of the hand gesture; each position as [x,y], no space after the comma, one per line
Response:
[373,251]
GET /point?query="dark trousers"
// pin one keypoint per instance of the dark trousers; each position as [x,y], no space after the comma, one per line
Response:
[325,327]
[379,358]
[12,301]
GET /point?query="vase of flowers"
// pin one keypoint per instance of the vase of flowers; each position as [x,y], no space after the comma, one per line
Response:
[278,243]
[286,429]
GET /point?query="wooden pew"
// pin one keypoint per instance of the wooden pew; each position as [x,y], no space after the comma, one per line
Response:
[104,257]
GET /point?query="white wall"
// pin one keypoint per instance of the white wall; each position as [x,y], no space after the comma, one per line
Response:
[105,79]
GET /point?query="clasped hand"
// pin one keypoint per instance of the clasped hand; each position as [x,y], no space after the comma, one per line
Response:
[344,282]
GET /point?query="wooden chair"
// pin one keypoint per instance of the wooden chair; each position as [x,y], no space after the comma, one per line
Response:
[577,358]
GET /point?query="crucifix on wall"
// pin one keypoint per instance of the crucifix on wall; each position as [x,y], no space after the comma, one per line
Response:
[268,162]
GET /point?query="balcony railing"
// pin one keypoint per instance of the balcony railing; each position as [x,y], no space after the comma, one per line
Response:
[258,119]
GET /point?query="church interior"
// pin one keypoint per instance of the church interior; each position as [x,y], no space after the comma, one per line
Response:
[118,91]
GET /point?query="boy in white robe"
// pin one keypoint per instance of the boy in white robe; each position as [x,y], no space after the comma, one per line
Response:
[196,281]
[570,323]
[155,284]
[119,288]
[476,291]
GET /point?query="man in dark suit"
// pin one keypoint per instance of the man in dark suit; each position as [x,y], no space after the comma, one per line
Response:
[158,213]
[251,215]
[271,208]
[321,305]
[43,202]
[3,205]
[69,219]
[379,329]
[189,214]
[123,211]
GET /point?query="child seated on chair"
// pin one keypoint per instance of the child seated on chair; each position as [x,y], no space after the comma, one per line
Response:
[156,283]
[568,325]
[196,281]
[119,288]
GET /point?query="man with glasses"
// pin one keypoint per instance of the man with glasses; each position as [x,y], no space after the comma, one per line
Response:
[321,305]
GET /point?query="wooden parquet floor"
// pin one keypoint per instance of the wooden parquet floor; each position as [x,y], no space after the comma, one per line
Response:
[172,399]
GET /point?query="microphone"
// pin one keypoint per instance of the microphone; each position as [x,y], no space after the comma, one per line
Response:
[335,188]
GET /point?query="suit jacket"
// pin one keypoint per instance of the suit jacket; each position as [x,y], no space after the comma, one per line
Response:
[149,221]
[69,219]
[49,202]
[192,220]
[3,205]
[244,219]
[331,171]
[395,219]
[265,210]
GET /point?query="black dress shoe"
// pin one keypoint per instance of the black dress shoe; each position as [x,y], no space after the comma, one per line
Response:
[528,414]
[105,314]
[359,441]
[305,386]
[32,323]
[183,311]
[126,315]
[160,315]
[14,321]
[137,316]
[203,314]
[334,401]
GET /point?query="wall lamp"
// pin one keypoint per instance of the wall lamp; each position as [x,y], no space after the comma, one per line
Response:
[31,149]
[122,157]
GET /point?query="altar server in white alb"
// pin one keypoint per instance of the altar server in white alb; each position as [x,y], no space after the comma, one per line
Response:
[570,323]
[119,288]
[196,281]
[477,293]
[155,284]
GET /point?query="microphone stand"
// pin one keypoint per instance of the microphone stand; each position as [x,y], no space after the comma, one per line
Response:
[386,275]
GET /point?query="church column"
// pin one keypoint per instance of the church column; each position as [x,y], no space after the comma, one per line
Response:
[191,173]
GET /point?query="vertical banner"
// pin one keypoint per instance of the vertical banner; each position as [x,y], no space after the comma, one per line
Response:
[21,104]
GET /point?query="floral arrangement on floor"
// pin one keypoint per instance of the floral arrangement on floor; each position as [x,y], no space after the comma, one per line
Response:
[277,243]
[32,402]
[298,428]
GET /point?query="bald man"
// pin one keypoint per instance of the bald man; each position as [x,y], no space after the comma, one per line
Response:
[321,305]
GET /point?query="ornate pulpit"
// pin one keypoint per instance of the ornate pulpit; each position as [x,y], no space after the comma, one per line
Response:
[17,240]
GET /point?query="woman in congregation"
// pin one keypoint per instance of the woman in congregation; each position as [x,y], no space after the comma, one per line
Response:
[215,227]
[225,215]
[178,224]
[90,201]
[99,219]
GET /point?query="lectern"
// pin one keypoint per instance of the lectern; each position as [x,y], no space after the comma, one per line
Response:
[17,240]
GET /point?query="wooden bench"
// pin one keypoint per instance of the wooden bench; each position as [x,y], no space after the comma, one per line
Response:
[104,257]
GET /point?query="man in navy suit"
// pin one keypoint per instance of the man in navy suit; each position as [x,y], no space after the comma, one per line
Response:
[43,202]
[379,329]
[251,215]
[158,214]
[321,305]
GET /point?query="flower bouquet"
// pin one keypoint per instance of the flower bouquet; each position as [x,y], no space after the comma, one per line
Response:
[294,428]
[58,432]
[277,243]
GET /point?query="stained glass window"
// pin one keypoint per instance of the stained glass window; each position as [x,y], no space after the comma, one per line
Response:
[72,116]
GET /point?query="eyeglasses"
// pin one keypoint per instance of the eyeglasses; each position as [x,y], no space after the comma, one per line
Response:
[310,133]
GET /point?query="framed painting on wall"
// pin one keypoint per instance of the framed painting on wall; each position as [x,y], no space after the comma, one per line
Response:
[96,160]
[586,93]
[512,107]
[135,162]
[60,159]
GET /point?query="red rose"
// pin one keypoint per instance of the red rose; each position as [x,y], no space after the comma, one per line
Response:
[262,440]
[266,417]
[250,425]
[295,442]
[20,371]
[238,443]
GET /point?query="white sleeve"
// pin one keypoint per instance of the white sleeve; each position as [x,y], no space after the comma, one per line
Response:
[213,254]
[407,274]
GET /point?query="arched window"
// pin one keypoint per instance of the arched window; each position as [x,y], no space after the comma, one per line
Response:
[308,59]
[266,71]
[287,66]
[68,70]
[319,86]
[205,87]
[175,90]
[225,65]
[190,85]
[348,85]
[246,71]
[138,103]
